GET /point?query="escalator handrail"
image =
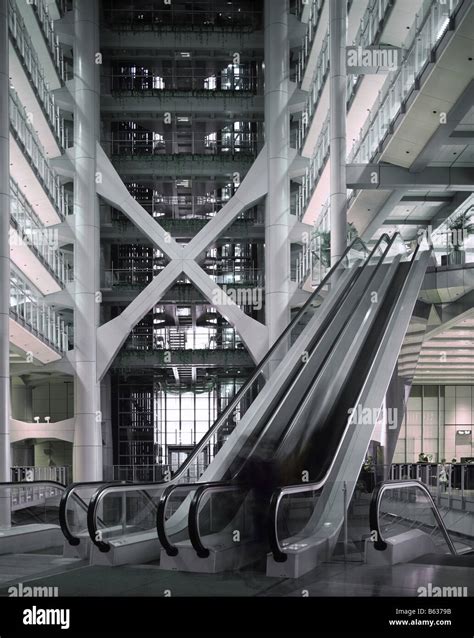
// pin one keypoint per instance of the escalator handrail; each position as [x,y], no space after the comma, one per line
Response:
[222,419]
[193,526]
[63,503]
[374,512]
[275,546]
[167,545]
[193,514]
[93,518]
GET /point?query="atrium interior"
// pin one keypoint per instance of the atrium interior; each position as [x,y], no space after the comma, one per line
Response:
[236,308]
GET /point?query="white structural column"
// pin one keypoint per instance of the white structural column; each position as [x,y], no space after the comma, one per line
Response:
[87,451]
[337,127]
[277,246]
[4,269]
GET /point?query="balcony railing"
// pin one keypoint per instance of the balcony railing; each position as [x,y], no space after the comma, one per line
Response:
[32,147]
[129,277]
[453,242]
[47,27]
[313,172]
[140,277]
[367,35]
[451,484]
[60,474]
[313,260]
[434,21]
[178,17]
[24,47]
[44,241]
[149,144]
[157,82]
[307,44]
[40,319]
[143,339]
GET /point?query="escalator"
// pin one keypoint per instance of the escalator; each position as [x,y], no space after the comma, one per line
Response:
[312,443]
[119,506]
[369,305]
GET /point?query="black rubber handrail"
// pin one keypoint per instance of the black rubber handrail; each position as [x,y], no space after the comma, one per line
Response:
[374,512]
[222,419]
[92,518]
[193,514]
[169,548]
[277,496]
[63,522]
[279,493]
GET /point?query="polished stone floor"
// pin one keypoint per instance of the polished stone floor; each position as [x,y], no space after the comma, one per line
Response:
[336,578]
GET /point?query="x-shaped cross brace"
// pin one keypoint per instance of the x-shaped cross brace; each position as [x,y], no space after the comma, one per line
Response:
[183,259]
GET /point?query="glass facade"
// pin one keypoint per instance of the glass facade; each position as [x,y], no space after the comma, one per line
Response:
[438,422]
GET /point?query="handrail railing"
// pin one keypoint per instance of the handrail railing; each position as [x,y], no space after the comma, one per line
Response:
[69,493]
[193,514]
[25,134]
[430,27]
[277,496]
[31,64]
[169,548]
[222,419]
[24,483]
[374,513]
[92,513]
[31,484]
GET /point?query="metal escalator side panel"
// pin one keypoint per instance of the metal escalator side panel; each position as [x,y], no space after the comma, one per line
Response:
[320,533]
[266,401]
[311,419]
[351,453]
[312,360]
